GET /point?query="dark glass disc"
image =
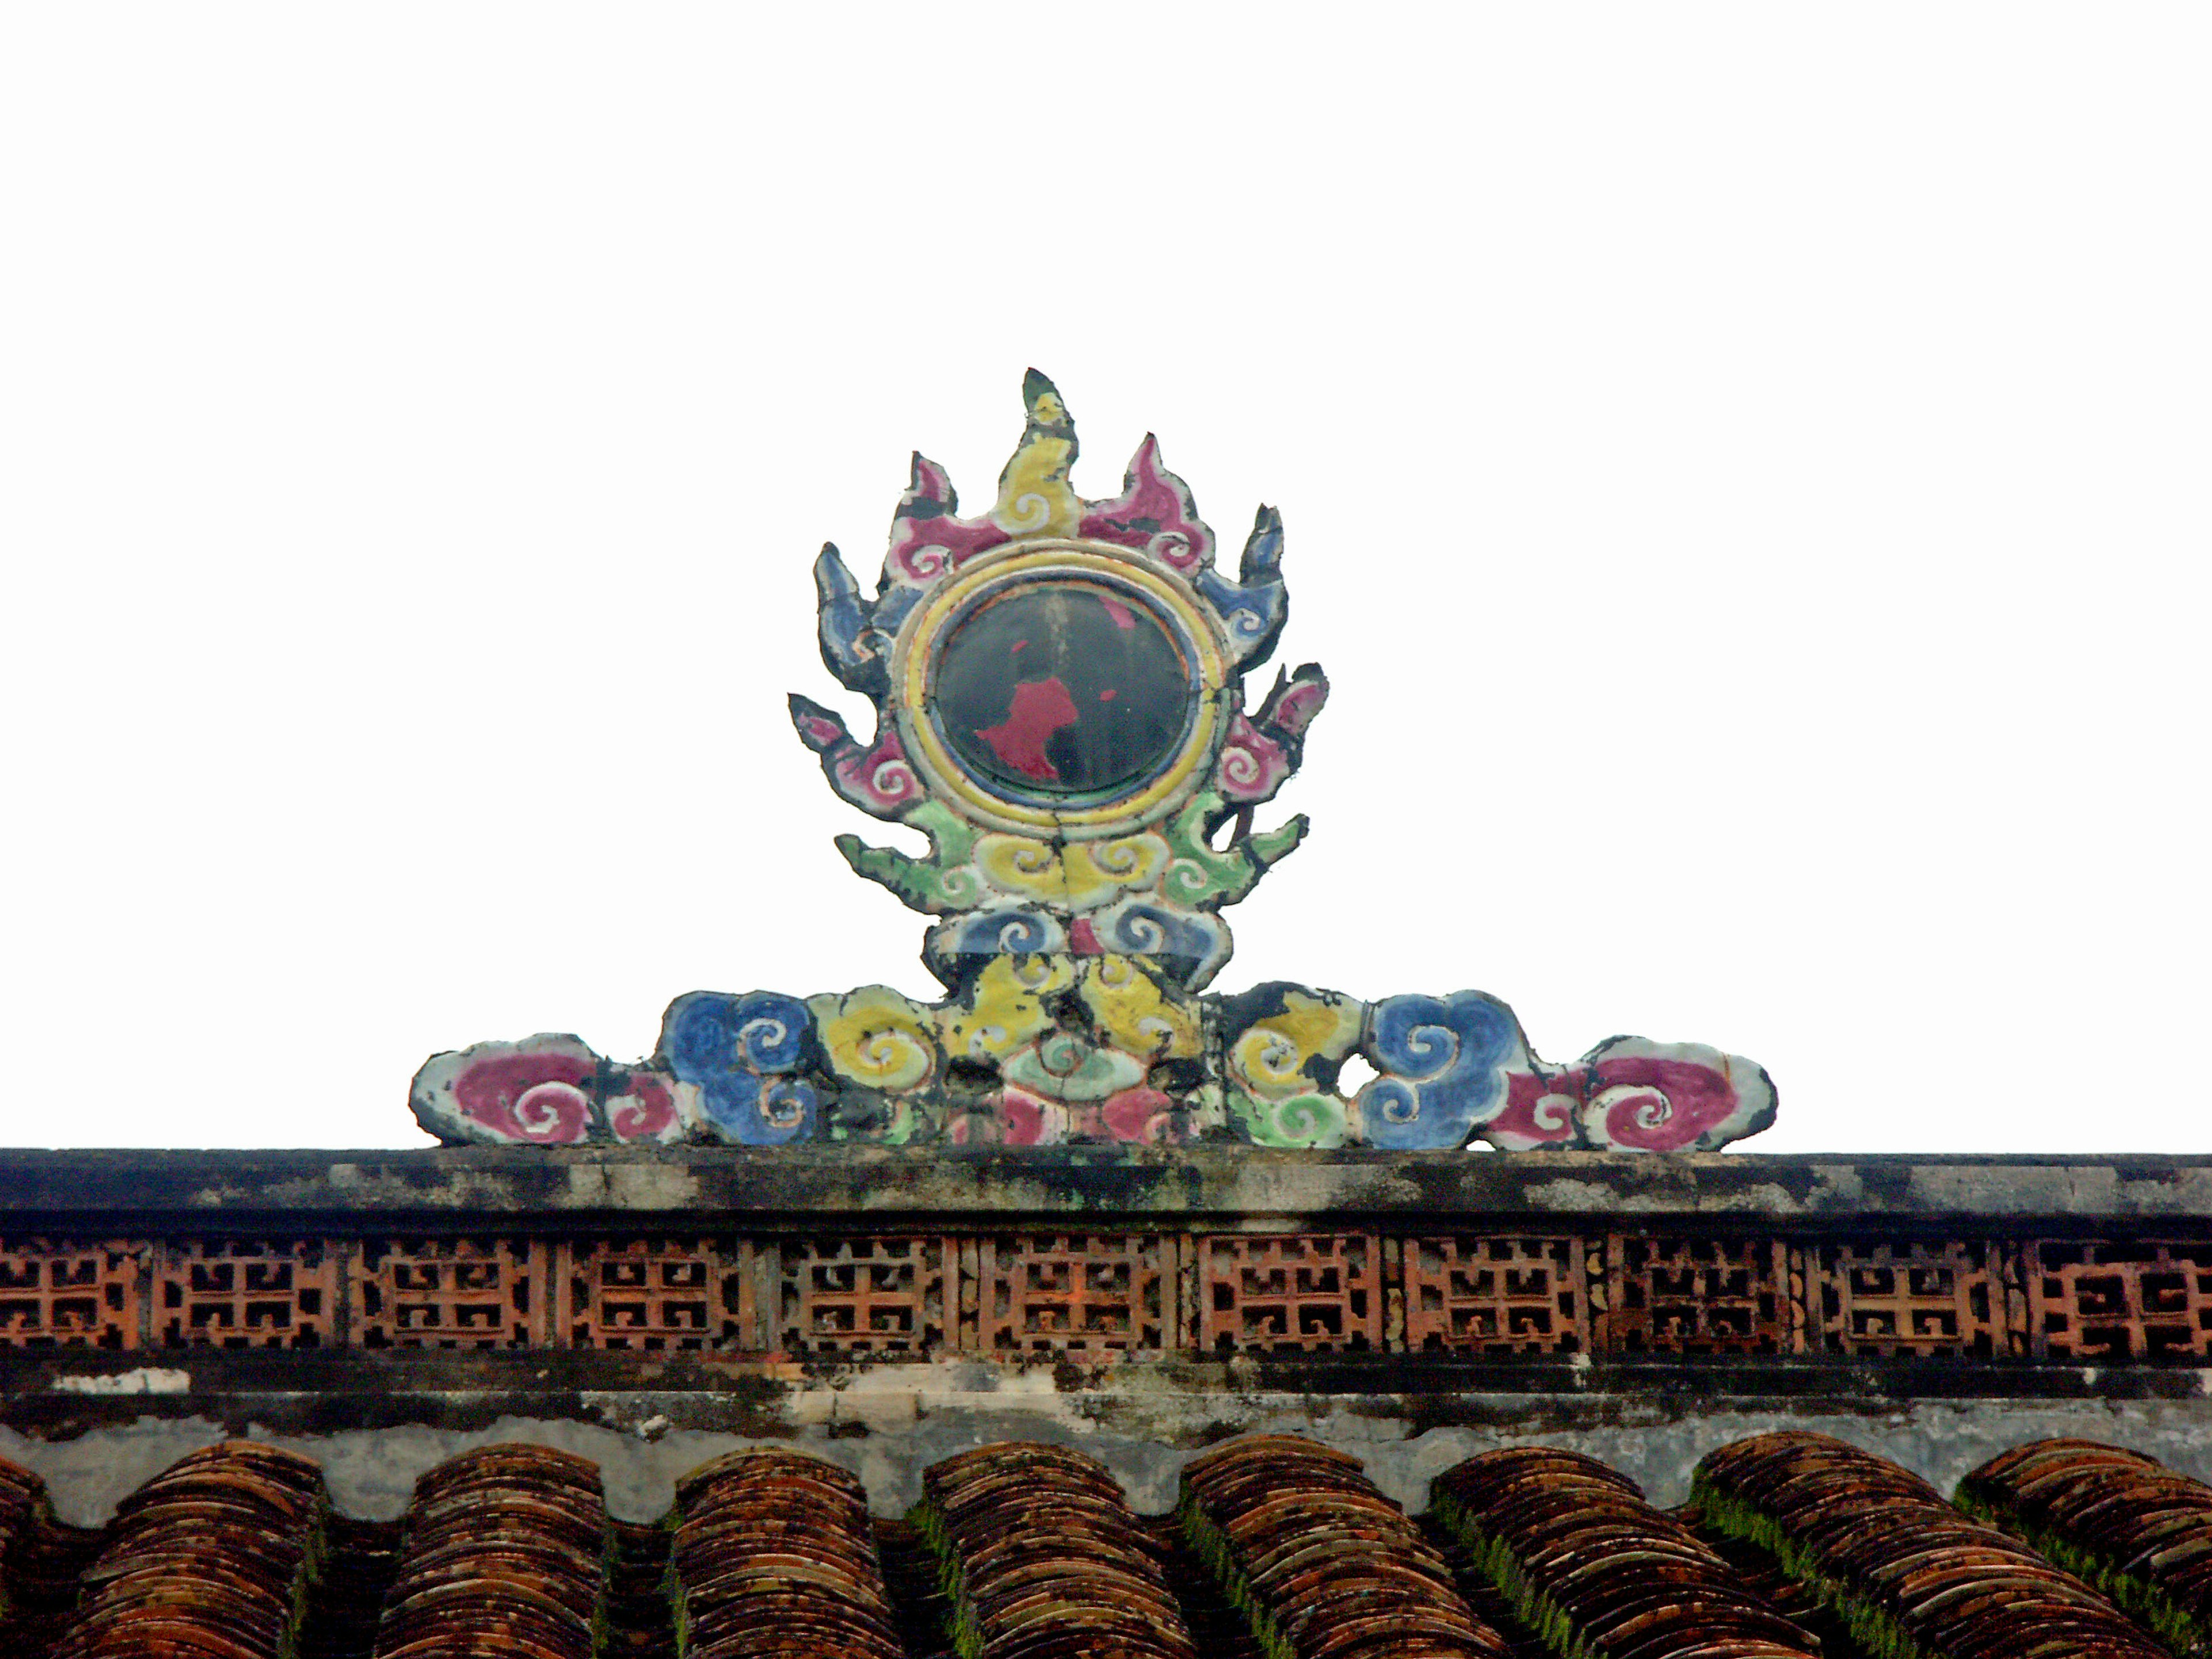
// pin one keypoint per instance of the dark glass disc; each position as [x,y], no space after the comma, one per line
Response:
[1063,688]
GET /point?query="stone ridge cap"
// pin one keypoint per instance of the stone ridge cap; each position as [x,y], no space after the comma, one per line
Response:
[937,1186]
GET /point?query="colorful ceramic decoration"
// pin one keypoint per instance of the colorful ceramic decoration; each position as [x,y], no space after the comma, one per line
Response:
[1059,691]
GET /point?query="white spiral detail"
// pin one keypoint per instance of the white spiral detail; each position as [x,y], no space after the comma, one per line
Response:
[1030,512]
[1651,1106]
[538,1108]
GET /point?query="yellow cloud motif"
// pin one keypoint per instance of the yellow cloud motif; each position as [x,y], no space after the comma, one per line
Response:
[1021,866]
[1005,1011]
[1270,1059]
[876,1037]
[1098,871]
[1133,1012]
[1082,876]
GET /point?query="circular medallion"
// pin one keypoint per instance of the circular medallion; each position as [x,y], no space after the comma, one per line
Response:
[1060,686]
[1060,689]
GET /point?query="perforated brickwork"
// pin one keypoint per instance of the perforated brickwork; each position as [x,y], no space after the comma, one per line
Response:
[1083,1293]
[1677,1295]
[1095,1295]
[55,1293]
[659,1294]
[2104,1299]
[1916,1298]
[452,1293]
[1492,1294]
[262,1293]
[1313,1292]
[884,1295]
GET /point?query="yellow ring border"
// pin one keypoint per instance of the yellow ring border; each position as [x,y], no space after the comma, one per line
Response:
[911,657]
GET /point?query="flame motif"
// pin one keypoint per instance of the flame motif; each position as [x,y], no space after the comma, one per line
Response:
[1072,942]
[1156,518]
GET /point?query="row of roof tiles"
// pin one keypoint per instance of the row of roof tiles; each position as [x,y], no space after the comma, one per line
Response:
[1791,1547]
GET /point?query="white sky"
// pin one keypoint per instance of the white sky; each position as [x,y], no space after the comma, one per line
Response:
[1745,471]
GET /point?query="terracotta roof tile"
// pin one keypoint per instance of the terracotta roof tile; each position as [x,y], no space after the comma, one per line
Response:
[1907,1570]
[1588,1564]
[775,1558]
[1319,1560]
[212,1557]
[1792,1546]
[2127,1524]
[1043,1558]
[506,1552]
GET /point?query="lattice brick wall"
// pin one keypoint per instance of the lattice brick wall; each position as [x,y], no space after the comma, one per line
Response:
[1090,1294]
[467,1293]
[1685,1295]
[1926,1299]
[246,1293]
[868,1295]
[1478,1294]
[1302,1292]
[56,1293]
[2146,1299]
[1095,1295]
[658,1294]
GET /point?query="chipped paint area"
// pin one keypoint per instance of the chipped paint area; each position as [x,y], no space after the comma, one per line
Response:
[147,1379]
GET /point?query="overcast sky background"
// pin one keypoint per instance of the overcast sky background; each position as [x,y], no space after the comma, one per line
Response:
[1745,471]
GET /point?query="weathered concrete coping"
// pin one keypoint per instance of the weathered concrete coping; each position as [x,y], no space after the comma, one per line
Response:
[800,1187]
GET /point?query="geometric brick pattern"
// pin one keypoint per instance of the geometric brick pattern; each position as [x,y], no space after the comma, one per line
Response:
[1096,1294]
[1698,1296]
[1957,1298]
[1300,1292]
[2100,1299]
[1496,1295]
[659,1294]
[1075,1293]
[57,1294]
[245,1294]
[422,1292]
[865,1294]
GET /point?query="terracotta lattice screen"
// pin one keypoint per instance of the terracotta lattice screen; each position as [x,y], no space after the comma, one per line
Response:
[1099,1295]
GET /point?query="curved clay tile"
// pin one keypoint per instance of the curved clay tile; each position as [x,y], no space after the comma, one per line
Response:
[2139,1531]
[209,1559]
[1586,1562]
[1321,1564]
[506,1553]
[1905,1570]
[773,1559]
[1041,1557]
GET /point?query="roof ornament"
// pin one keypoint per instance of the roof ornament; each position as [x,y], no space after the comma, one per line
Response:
[1059,703]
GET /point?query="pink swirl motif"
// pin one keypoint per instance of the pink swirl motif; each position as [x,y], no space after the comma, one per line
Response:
[1297,698]
[540,1096]
[1142,1115]
[1633,1095]
[1539,1111]
[1252,766]
[880,779]
[1671,1098]
[1262,750]
[644,1110]
[1154,513]
[927,539]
